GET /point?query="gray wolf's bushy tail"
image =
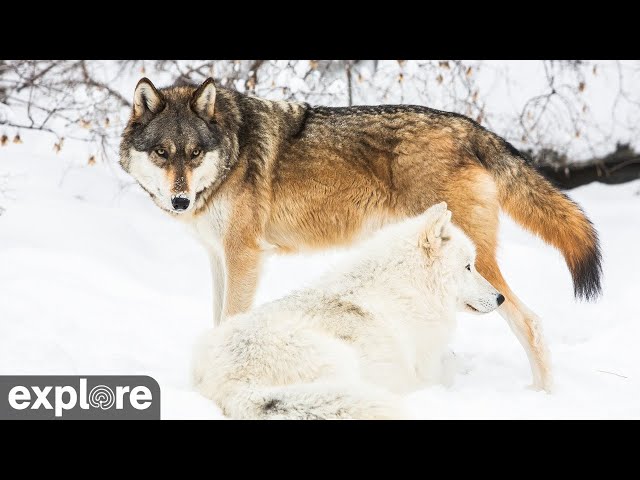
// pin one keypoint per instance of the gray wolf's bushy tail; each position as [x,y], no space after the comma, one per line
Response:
[534,203]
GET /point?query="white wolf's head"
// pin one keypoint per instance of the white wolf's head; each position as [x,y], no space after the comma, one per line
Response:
[452,254]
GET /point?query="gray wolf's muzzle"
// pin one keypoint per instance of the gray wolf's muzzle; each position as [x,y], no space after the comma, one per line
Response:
[180,202]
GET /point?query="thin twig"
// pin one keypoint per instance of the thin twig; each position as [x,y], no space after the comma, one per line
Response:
[612,373]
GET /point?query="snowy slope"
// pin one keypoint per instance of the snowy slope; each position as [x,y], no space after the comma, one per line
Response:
[94,279]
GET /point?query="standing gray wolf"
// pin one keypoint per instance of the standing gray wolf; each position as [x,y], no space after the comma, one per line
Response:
[252,176]
[375,328]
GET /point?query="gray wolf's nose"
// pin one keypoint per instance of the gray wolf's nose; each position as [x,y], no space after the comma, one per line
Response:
[179,202]
[500,299]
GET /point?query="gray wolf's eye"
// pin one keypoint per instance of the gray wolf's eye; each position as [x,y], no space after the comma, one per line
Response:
[468,267]
[195,153]
[161,151]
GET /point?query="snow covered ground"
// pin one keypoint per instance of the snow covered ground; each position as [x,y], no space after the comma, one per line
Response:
[95,279]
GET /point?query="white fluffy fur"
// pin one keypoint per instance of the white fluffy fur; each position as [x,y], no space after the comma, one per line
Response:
[362,336]
[152,177]
[156,181]
[205,173]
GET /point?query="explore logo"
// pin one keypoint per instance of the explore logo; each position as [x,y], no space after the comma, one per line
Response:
[92,397]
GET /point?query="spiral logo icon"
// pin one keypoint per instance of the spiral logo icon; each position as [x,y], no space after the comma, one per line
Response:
[102,397]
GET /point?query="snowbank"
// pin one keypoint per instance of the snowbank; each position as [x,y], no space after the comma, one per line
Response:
[94,279]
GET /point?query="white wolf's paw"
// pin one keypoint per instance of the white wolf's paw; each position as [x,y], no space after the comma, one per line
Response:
[453,365]
[465,366]
[460,363]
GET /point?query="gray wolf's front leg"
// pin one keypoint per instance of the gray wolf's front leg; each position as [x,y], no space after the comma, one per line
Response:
[219,284]
[242,261]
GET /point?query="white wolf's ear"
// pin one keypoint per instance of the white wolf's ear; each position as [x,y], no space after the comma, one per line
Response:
[146,98]
[203,100]
[436,229]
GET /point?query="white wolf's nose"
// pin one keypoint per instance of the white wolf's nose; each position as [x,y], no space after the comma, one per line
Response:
[180,202]
[500,299]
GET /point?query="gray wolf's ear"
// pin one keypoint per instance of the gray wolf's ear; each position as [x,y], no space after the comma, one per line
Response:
[203,100]
[436,228]
[146,98]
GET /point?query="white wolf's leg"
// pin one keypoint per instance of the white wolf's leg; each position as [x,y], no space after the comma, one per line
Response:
[449,368]
[219,281]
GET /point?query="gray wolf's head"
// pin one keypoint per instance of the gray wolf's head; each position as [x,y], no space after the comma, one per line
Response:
[175,143]
[452,254]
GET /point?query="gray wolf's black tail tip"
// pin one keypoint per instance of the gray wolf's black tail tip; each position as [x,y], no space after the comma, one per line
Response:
[587,276]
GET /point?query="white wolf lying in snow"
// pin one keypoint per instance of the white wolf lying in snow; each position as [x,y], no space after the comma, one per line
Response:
[363,335]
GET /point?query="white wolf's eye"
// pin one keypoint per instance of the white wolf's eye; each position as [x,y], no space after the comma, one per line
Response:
[468,267]
[161,151]
[195,153]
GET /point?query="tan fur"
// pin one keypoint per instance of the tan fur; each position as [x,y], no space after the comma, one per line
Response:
[243,255]
[562,224]
[179,179]
[306,178]
[306,213]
